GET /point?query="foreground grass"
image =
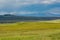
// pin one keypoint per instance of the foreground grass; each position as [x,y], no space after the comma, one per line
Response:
[30,31]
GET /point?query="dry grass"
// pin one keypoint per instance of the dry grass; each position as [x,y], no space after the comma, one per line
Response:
[29,31]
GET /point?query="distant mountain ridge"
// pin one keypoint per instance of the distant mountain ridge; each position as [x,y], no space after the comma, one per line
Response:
[14,18]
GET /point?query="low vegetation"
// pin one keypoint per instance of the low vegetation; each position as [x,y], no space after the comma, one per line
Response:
[30,31]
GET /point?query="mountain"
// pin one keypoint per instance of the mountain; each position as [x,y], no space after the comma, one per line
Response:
[13,18]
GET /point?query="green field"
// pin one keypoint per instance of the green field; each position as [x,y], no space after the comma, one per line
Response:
[30,31]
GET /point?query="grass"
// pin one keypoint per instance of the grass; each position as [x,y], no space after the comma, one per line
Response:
[55,36]
[30,31]
[29,26]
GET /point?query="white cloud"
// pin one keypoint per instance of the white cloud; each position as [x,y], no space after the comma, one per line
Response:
[4,3]
[48,1]
[19,3]
[16,3]
[2,13]
[24,2]
[24,12]
[18,13]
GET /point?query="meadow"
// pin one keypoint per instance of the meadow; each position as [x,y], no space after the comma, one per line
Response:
[30,31]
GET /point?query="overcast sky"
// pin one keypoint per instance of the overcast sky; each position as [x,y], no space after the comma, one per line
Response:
[29,6]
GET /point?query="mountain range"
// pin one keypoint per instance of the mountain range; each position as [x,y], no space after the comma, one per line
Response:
[15,18]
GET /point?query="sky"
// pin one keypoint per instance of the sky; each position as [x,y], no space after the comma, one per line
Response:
[30,7]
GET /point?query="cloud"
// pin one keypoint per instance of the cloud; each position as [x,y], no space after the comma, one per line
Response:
[24,12]
[25,2]
[18,13]
[53,11]
[48,1]
[13,5]
[6,3]
[18,3]
[2,13]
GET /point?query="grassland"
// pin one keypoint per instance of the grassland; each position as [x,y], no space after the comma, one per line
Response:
[30,31]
